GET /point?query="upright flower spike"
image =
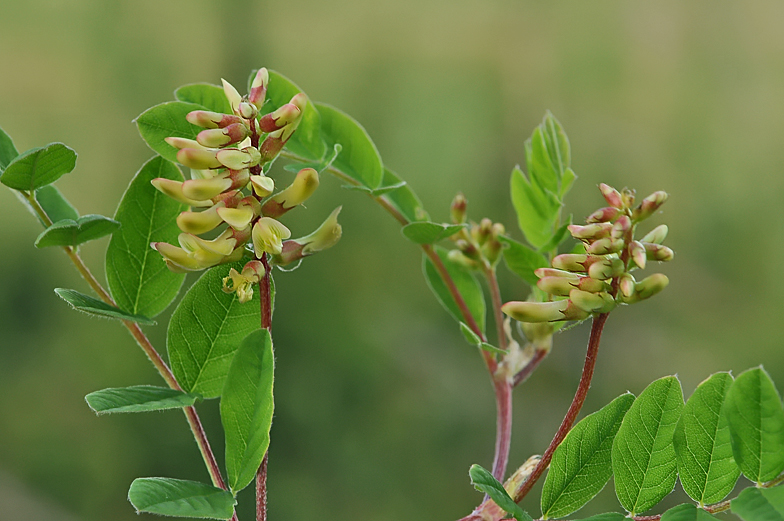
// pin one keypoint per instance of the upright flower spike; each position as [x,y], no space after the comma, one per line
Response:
[268,235]
[304,185]
[258,88]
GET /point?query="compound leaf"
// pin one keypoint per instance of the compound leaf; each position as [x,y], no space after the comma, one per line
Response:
[138,398]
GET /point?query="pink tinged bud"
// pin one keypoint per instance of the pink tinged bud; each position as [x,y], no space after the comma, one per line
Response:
[298,192]
[657,252]
[300,100]
[200,222]
[638,255]
[325,236]
[458,209]
[239,178]
[468,249]
[207,119]
[621,227]
[498,230]
[606,269]
[570,262]
[591,231]
[605,246]
[626,285]
[232,95]
[603,215]
[592,302]
[271,146]
[612,196]
[219,137]
[237,218]
[628,197]
[461,259]
[278,119]
[180,142]
[247,110]
[651,285]
[560,286]
[236,159]
[657,235]
[592,285]
[258,88]
[173,189]
[491,250]
[268,235]
[552,272]
[229,199]
[262,185]
[201,189]
[177,259]
[536,311]
[649,205]
[200,159]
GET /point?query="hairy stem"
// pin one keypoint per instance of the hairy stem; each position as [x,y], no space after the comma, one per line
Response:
[503,436]
[574,409]
[265,298]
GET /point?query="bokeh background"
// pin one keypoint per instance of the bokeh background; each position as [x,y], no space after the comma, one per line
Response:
[381,406]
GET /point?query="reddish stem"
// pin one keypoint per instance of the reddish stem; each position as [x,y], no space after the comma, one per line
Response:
[265,299]
[530,367]
[503,440]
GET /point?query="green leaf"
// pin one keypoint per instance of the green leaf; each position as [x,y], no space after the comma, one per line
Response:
[490,348]
[471,337]
[568,180]
[557,144]
[465,282]
[72,233]
[306,141]
[581,465]
[180,498]
[54,204]
[7,150]
[608,516]
[536,210]
[206,329]
[93,306]
[139,398]
[702,443]
[403,199]
[483,481]
[138,277]
[166,120]
[359,159]
[687,512]
[38,167]
[522,260]
[643,456]
[320,165]
[756,421]
[246,408]
[211,97]
[559,236]
[760,504]
[425,232]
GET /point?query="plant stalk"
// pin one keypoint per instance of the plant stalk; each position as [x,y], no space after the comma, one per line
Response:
[265,298]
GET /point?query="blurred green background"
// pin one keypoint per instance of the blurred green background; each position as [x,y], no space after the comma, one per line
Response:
[381,406]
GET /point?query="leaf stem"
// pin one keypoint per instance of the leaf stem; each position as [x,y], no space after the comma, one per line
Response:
[265,299]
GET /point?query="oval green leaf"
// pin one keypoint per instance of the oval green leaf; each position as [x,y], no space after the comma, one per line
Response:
[465,282]
[38,167]
[246,408]
[643,456]
[522,260]
[359,158]
[138,398]
[54,204]
[403,199]
[581,464]
[756,422]
[211,97]
[536,209]
[703,451]
[483,481]
[687,512]
[760,504]
[425,232]
[93,306]
[7,150]
[180,498]
[72,233]
[167,120]
[138,277]
[205,331]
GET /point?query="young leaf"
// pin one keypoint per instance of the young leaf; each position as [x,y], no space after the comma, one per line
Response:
[55,204]
[138,278]
[166,120]
[483,481]
[687,512]
[471,337]
[87,304]
[180,498]
[522,260]
[72,233]
[643,457]
[490,348]
[139,398]
[536,210]
[702,443]
[581,465]
[760,504]
[756,422]
[403,199]
[465,282]
[359,159]
[246,408]
[211,97]
[7,150]
[38,167]
[206,329]
[425,232]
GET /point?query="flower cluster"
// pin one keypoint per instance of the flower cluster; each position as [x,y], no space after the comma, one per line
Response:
[478,244]
[229,186]
[599,279]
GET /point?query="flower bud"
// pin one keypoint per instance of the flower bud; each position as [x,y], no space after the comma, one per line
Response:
[262,185]
[200,159]
[200,222]
[237,218]
[552,272]
[491,250]
[657,235]
[605,246]
[236,159]
[271,146]
[591,231]
[258,88]
[657,252]
[578,262]
[592,302]
[239,178]
[603,215]
[173,189]
[268,235]
[638,254]
[325,236]
[651,285]
[219,137]
[458,209]
[536,311]
[562,286]
[626,285]
[232,95]
[279,118]
[229,199]
[612,196]
[628,197]
[177,259]
[621,227]
[247,110]
[498,230]
[299,191]
[200,189]
[606,268]
[208,119]
[468,249]
[180,142]
[649,205]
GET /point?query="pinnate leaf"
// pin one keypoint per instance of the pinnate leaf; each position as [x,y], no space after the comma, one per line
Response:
[425,232]
[54,204]
[246,408]
[72,233]
[93,306]
[38,167]
[522,260]
[687,512]
[139,398]
[703,452]
[760,504]
[211,97]
[7,150]
[138,277]
[206,329]
[465,282]
[180,498]
[483,481]
[756,422]
[167,120]
[581,465]
[643,456]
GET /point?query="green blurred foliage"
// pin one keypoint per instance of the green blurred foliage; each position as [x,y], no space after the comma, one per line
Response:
[381,405]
